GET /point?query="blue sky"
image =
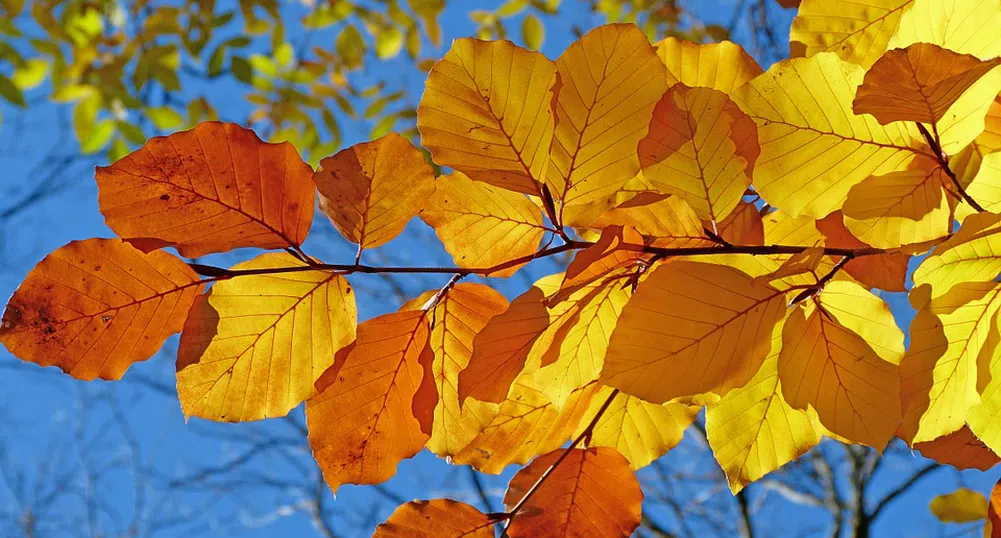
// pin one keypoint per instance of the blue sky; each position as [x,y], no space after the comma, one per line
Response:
[74,452]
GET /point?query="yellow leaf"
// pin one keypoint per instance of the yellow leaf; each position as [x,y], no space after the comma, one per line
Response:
[611,79]
[483,226]
[527,425]
[253,346]
[370,410]
[592,494]
[700,147]
[856,30]
[813,146]
[92,308]
[576,358]
[986,185]
[371,190]
[802,263]
[965,120]
[705,327]
[639,430]
[501,349]
[608,255]
[437,518]
[938,375]
[962,26]
[487,112]
[972,254]
[721,66]
[962,449]
[961,506]
[918,83]
[840,357]
[456,319]
[900,208]
[210,189]
[753,430]
[667,220]
[884,271]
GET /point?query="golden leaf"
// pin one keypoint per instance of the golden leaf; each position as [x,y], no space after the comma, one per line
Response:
[972,254]
[856,30]
[437,518]
[721,66]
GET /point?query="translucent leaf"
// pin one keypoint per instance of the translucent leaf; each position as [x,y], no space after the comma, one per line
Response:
[856,30]
[972,254]
[437,518]
[721,66]
[962,26]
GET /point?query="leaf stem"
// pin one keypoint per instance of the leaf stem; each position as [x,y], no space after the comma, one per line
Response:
[566,452]
[943,161]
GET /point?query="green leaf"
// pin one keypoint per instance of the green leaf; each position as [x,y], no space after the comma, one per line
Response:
[511,7]
[351,47]
[388,42]
[99,137]
[164,118]
[10,92]
[241,69]
[117,150]
[384,126]
[532,32]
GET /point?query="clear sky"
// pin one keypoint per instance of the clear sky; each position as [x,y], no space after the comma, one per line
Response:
[78,453]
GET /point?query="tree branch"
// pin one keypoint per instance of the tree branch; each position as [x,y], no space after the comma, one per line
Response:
[943,160]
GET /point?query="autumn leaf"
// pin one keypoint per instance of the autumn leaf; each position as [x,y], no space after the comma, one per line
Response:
[528,424]
[455,320]
[962,449]
[939,371]
[93,308]
[884,271]
[437,518]
[487,112]
[210,189]
[610,254]
[369,412]
[753,430]
[667,221]
[856,30]
[700,147]
[592,493]
[918,83]
[840,357]
[962,26]
[961,506]
[813,146]
[481,225]
[704,326]
[986,185]
[972,254]
[253,346]
[743,226]
[371,190]
[721,66]
[611,79]
[639,430]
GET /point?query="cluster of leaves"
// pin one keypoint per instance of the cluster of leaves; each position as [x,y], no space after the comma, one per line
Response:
[728,225]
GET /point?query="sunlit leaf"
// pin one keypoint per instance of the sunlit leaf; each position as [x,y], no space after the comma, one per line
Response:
[962,26]
[437,518]
[961,506]
[962,449]
[856,30]
[972,254]
[884,271]
[721,66]
[668,221]
[94,307]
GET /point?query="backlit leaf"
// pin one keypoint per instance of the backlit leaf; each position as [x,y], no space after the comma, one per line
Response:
[986,185]
[884,271]
[813,146]
[706,327]
[609,254]
[667,220]
[482,225]
[487,112]
[437,518]
[962,26]
[210,189]
[700,147]
[611,79]
[840,357]
[456,319]
[371,190]
[592,494]
[962,449]
[972,254]
[721,66]
[367,416]
[253,346]
[743,226]
[856,30]
[94,307]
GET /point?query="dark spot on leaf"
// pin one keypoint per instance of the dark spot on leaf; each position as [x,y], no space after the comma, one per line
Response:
[165,197]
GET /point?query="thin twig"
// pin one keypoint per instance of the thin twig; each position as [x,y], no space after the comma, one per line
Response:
[943,161]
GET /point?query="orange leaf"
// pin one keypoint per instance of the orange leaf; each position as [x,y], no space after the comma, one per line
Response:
[210,189]
[437,518]
[667,220]
[721,66]
[456,320]
[961,449]
[611,79]
[884,271]
[591,493]
[370,412]
[527,425]
[371,190]
[743,226]
[94,307]
[700,147]
[918,83]
[253,346]
[487,112]
[600,259]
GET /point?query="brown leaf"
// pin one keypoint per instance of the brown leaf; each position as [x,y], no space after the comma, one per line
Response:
[437,518]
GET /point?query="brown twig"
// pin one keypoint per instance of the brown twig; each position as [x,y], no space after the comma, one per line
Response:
[943,161]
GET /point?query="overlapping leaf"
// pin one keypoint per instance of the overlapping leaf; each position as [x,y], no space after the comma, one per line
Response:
[721,66]
[884,271]
[856,30]
[592,494]
[94,307]
[487,112]
[253,346]
[667,221]
[962,449]
[437,518]
[481,225]
[372,409]
[962,26]
[210,189]
[972,254]
[371,190]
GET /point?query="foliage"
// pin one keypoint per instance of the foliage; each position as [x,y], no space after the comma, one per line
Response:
[729,227]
